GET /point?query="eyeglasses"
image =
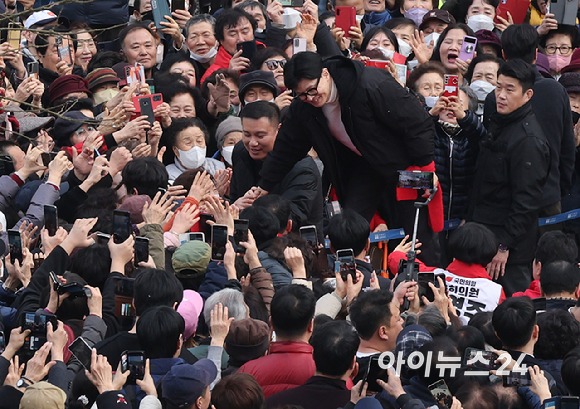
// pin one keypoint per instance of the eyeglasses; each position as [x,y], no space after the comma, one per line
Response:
[273,64]
[308,93]
[564,49]
[81,131]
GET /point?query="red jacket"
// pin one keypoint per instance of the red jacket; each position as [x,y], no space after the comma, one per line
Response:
[532,292]
[288,365]
[222,61]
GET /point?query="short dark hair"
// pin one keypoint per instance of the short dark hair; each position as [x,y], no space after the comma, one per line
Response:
[442,349]
[278,205]
[369,311]
[482,321]
[482,58]
[559,334]
[92,263]
[138,25]
[169,91]
[154,287]
[468,337]
[349,230]
[569,31]
[263,224]
[520,70]
[520,41]
[426,68]
[238,391]
[41,40]
[514,321]
[398,22]
[379,29]
[158,330]
[305,65]
[335,344]
[292,310]
[231,18]
[554,246]
[145,175]
[175,58]
[473,243]
[104,59]
[571,371]
[558,277]
[261,109]
[179,125]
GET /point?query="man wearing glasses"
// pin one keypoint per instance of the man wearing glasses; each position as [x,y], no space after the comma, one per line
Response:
[364,127]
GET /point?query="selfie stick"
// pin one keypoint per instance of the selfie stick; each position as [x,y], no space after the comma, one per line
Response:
[411,271]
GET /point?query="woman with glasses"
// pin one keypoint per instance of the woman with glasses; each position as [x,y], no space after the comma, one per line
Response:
[558,45]
[273,60]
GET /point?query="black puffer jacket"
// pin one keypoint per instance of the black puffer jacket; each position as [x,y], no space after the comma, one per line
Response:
[455,158]
[512,170]
[101,13]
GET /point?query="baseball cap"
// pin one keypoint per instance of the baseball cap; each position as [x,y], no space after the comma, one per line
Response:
[43,395]
[184,383]
[437,14]
[40,18]
[190,260]
[189,308]
[258,77]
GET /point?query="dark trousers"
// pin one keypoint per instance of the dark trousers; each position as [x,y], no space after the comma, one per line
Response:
[517,277]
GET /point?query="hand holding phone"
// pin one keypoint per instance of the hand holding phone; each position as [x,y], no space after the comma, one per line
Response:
[346,264]
[345,18]
[240,234]
[15,243]
[50,219]
[133,361]
[451,86]
[219,238]
[467,48]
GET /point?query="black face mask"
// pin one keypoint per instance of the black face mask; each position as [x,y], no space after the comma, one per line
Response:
[147,16]
[575,117]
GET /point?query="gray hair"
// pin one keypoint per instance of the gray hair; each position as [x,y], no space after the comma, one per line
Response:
[472,106]
[432,320]
[200,18]
[233,299]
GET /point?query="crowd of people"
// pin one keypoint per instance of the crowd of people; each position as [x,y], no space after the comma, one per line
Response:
[188,193]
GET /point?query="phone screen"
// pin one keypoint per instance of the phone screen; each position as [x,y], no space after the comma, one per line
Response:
[50,219]
[219,238]
[423,280]
[121,225]
[308,233]
[204,226]
[15,243]
[414,179]
[141,249]
[124,299]
[196,236]
[133,361]
[82,351]
[375,372]
[346,264]
[240,234]
[517,379]
[441,393]
[481,359]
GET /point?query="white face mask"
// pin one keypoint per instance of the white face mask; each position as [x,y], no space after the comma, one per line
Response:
[227,152]
[387,53]
[432,37]
[259,30]
[480,22]
[202,59]
[431,101]
[404,48]
[359,18]
[104,95]
[236,109]
[481,89]
[192,158]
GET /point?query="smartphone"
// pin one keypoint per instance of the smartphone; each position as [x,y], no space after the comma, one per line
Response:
[467,48]
[196,236]
[292,3]
[50,219]
[47,157]
[517,9]
[14,32]
[121,225]
[240,234]
[36,323]
[480,359]
[309,234]
[539,303]
[219,238]
[124,308]
[248,48]
[156,100]
[177,5]
[32,68]
[441,393]
[141,249]
[146,108]
[133,361]
[451,84]
[63,51]
[415,179]
[564,11]
[333,208]
[15,243]
[298,45]
[160,8]
[517,379]
[73,289]
[375,372]
[423,280]
[346,264]
[345,19]
[204,226]
[103,238]
[82,351]
[569,402]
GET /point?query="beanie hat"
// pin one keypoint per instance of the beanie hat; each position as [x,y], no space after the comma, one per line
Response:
[101,76]
[570,81]
[230,124]
[260,77]
[190,260]
[134,205]
[67,84]
[247,339]
[190,308]
[43,395]
[66,125]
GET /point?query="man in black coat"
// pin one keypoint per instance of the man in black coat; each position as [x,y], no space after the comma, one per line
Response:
[364,127]
[301,185]
[511,172]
